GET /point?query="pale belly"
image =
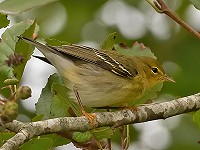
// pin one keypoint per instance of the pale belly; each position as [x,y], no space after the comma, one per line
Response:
[98,89]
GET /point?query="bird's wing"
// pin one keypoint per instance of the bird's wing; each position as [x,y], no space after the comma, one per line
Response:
[91,55]
[97,57]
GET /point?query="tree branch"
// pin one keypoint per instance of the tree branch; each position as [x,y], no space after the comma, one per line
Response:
[161,7]
[25,131]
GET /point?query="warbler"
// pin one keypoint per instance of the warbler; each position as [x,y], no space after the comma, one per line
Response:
[101,77]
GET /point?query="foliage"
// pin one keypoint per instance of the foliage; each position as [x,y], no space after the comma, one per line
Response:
[54,101]
[4,21]
[19,6]
[196,3]
[8,48]
[44,142]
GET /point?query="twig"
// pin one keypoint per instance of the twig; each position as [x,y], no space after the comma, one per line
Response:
[25,131]
[161,7]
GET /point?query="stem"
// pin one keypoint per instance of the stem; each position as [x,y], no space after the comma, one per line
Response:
[161,7]
[183,24]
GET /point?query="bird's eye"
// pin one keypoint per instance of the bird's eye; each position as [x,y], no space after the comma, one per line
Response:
[154,70]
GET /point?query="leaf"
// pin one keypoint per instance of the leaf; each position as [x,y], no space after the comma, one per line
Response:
[62,102]
[109,42]
[196,118]
[37,118]
[4,21]
[58,107]
[44,103]
[5,72]
[196,3]
[57,140]
[98,134]
[54,100]
[18,6]
[25,50]
[138,49]
[55,42]
[37,143]
[7,48]
[82,137]
[102,133]
[45,142]
[5,136]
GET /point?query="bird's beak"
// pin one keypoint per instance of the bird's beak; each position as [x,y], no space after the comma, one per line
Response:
[168,79]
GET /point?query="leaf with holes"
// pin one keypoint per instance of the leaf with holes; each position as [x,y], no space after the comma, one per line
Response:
[109,42]
[4,21]
[138,49]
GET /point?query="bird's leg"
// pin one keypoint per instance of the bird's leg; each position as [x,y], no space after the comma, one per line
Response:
[90,116]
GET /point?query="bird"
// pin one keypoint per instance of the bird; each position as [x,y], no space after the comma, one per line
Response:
[101,78]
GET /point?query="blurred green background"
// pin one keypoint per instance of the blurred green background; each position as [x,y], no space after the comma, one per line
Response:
[89,22]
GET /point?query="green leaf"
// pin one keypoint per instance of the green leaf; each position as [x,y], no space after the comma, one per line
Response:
[7,48]
[5,136]
[5,72]
[196,3]
[44,103]
[102,133]
[138,49]
[196,118]
[19,6]
[110,41]
[54,100]
[45,142]
[58,107]
[57,140]
[62,102]
[4,21]
[55,42]
[25,50]
[37,118]
[98,134]
[82,137]
[37,143]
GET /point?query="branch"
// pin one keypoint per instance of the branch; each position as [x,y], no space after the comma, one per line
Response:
[25,131]
[161,7]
